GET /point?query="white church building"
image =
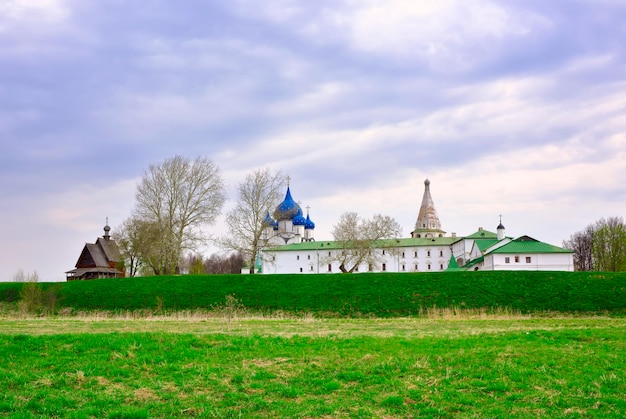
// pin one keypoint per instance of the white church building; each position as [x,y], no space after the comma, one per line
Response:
[292,248]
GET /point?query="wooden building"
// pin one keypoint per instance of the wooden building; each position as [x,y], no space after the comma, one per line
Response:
[98,260]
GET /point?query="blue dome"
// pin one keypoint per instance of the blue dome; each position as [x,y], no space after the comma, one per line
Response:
[287,209]
[299,219]
[308,224]
[268,221]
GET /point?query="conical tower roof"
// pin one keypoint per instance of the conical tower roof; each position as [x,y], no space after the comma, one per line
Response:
[427,224]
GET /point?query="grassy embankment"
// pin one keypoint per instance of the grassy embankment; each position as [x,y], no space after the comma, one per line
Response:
[380,295]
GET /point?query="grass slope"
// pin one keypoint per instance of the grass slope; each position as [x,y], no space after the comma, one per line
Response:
[377,294]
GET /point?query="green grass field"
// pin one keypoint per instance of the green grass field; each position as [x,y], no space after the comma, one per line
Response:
[476,345]
[189,364]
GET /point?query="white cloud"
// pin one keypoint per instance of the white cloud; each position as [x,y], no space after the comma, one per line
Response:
[440,33]
[15,14]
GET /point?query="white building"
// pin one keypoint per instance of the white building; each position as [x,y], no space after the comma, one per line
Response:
[293,249]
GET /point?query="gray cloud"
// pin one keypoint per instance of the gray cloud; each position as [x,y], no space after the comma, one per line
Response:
[520,99]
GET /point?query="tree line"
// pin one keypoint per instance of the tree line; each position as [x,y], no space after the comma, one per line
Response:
[178,198]
[601,246]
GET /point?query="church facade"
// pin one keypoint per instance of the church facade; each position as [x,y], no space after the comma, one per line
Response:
[292,247]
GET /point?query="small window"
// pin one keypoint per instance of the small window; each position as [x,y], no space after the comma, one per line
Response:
[384,266]
[298,257]
[308,257]
[516,259]
[300,269]
[441,267]
[415,254]
[441,253]
[416,266]
[311,268]
[330,267]
[383,252]
[403,268]
[528,260]
[428,253]
[402,254]
[429,266]
[507,259]
[328,253]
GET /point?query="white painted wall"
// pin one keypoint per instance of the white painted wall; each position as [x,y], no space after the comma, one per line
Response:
[403,259]
[538,262]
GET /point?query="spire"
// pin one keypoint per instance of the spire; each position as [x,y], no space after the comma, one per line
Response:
[427,224]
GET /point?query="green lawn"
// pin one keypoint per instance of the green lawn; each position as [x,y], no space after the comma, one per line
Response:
[306,367]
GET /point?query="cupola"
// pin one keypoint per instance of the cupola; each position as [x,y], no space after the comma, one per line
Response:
[299,219]
[287,209]
[500,230]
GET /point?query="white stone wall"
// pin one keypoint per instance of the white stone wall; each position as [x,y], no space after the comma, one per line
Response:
[408,259]
[538,262]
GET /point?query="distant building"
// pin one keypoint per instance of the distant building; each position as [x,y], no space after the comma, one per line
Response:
[292,248]
[98,260]
[287,225]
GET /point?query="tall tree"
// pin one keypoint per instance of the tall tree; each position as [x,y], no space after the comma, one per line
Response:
[259,193]
[361,239]
[581,244]
[609,245]
[176,198]
[131,241]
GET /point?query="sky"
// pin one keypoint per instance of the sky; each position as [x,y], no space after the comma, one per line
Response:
[514,108]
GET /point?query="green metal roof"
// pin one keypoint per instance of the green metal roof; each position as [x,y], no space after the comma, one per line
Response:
[408,242]
[529,246]
[453,265]
[482,234]
[485,244]
[473,262]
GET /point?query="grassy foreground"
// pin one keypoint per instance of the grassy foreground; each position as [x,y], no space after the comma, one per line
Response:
[515,366]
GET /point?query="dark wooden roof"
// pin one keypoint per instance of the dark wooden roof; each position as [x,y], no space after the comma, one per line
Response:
[99,259]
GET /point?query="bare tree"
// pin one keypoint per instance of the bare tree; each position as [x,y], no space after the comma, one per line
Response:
[581,244]
[257,194]
[360,239]
[193,264]
[228,264]
[609,245]
[131,242]
[176,198]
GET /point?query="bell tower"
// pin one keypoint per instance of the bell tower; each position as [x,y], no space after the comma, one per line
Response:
[427,224]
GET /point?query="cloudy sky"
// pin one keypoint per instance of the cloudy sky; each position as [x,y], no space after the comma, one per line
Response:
[509,107]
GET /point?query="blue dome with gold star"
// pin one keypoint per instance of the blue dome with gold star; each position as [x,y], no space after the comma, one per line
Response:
[308,224]
[287,209]
[299,219]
